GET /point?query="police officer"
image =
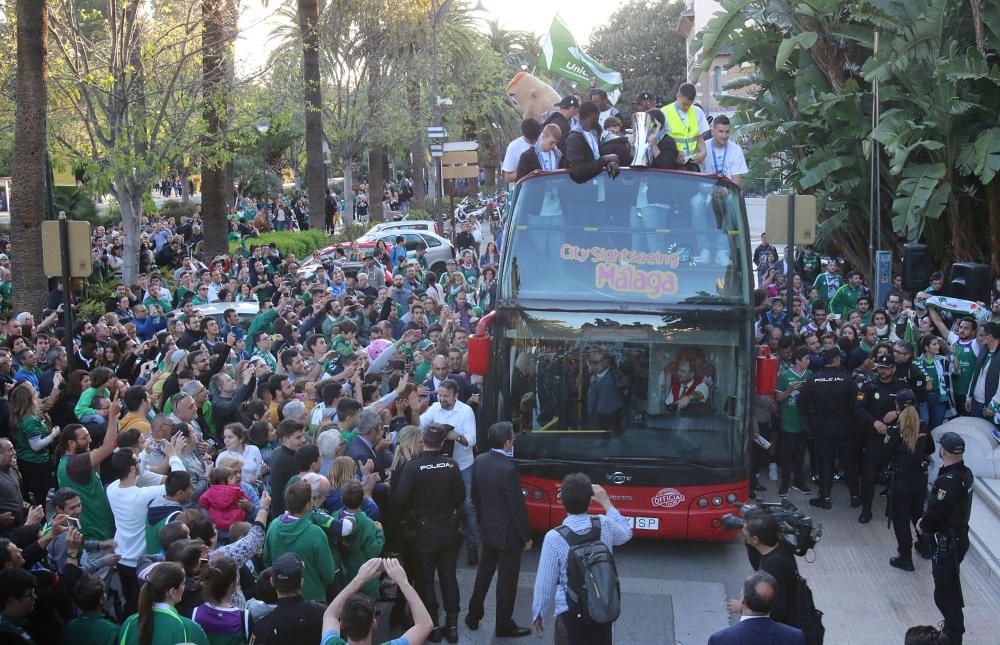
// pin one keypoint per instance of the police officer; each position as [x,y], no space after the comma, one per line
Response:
[828,400]
[911,447]
[876,410]
[947,521]
[431,487]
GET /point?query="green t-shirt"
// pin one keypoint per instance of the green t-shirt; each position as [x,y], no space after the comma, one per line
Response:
[32,426]
[791,420]
[333,638]
[97,522]
[966,366]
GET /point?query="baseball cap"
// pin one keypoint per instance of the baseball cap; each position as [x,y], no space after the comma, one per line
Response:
[906,397]
[884,361]
[643,96]
[23,316]
[451,261]
[425,344]
[287,571]
[952,442]
[568,101]
[435,434]
[178,356]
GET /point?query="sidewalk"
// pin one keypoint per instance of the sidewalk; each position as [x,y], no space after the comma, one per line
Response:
[864,600]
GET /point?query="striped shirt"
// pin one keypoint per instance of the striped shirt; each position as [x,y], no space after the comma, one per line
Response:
[551,579]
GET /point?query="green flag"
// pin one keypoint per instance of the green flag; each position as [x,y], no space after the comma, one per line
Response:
[563,57]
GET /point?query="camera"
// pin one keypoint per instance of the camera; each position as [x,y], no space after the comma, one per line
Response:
[796,528]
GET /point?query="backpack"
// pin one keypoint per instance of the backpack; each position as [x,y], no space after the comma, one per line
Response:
[593,591]
[804,614]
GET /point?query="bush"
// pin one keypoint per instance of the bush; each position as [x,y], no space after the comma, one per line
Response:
[301,243]
[177,210]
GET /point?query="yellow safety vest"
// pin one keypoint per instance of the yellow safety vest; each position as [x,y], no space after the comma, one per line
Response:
[684,134]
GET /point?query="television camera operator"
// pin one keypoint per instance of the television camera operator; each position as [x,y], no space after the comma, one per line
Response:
[769,553]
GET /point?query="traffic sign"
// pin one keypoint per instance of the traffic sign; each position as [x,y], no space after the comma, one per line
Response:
[436,132]
[461,157]
[459,172]
[458,146]
[80,261]
[437,153]
[776,215]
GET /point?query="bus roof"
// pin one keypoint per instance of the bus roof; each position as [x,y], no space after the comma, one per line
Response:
[632,169]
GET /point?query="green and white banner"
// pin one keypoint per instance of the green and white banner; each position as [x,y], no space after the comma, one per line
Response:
[562,56]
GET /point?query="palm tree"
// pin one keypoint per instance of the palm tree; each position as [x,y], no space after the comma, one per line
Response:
[28,203]
[308,14]
[213,175]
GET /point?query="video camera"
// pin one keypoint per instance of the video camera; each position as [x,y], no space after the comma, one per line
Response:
[794,527]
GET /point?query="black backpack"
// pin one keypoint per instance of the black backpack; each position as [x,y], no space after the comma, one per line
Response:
[804,614]
[593,591]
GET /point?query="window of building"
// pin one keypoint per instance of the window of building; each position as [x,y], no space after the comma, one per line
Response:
[717,79]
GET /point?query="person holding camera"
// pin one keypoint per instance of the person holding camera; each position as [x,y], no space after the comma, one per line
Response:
[772,555]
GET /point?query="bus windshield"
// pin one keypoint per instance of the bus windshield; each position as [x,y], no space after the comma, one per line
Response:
[656,387]
[647,237]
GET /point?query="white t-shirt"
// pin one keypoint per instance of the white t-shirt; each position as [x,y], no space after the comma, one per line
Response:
[514,151]
[129,507]
[251,459]
[728,161]
[463,420]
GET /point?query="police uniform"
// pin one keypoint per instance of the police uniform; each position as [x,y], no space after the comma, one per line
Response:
[947,521]
[875,399]
[908,483]
[432,491]
[828,399]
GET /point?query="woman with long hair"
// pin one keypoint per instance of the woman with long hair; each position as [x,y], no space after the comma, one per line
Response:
[32,442]
[157,622]
[935,366]
[223,623]
[911,448]
[409,444]
[490,256]
[234,437]
[341,471]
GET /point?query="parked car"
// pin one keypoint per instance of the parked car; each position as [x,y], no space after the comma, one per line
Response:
[439,249]
[405,224]
[246,311]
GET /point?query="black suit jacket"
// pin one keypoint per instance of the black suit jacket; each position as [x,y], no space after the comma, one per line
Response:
[563,123]
[756,631]
[528,162]
[992,374]
[500,507]
[580,158]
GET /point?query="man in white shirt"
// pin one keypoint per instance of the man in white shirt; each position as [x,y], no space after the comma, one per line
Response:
[531,129]
[128,502]
[724,157]
[449,411]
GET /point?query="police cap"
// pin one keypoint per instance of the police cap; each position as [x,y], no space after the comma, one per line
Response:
[884,361]
[952,442]
[906,397]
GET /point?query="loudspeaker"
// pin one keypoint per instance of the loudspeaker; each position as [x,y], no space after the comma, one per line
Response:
[970,281]
[917,267]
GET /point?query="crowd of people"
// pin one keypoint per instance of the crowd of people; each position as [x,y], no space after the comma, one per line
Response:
[171,476]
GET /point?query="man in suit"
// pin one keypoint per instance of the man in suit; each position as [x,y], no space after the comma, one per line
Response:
[543,155]
[604,401]
[755,625]
[503,528]
[369,444]
[439,373]
[986,375]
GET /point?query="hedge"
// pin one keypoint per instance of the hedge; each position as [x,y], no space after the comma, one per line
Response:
[301,243]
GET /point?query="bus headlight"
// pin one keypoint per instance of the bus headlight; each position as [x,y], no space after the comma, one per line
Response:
[731,498]
[716,501]
[702,503]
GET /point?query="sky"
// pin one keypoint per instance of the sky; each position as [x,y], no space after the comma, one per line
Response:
[582,16]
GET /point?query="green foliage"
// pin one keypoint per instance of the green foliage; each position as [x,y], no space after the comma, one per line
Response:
[299,243]
[73,200]
[640,41]
[177,210]
[809,116]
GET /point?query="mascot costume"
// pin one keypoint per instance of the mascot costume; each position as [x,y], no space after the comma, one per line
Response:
[532,96]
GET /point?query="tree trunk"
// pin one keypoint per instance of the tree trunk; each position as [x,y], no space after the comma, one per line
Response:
[28,203]
[375,181]
[993,209]
[313,100]
[129,196]
[183,173]
[214,112]
[348,214]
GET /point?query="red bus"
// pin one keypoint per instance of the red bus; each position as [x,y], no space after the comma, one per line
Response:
[621,346]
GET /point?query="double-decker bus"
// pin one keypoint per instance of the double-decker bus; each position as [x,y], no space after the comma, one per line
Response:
[621,346]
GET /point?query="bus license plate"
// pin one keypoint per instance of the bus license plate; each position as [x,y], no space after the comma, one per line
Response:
[644,523]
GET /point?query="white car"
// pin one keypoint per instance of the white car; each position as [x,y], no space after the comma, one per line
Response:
[247,311]
[405,224]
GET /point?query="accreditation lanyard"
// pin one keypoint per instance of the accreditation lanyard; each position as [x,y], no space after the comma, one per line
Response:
[545,158]
[687,143]
[725,153]
[589,136]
